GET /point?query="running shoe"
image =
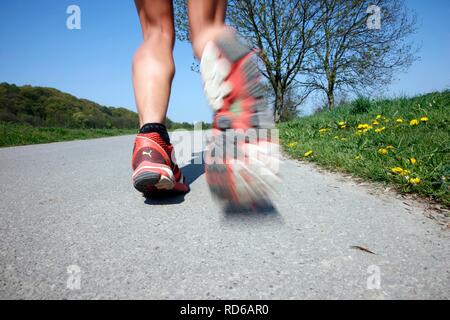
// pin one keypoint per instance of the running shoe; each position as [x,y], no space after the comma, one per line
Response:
[242,158]
[154,166]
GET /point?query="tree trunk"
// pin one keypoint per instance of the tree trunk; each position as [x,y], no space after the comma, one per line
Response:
[330,96]
[279,103]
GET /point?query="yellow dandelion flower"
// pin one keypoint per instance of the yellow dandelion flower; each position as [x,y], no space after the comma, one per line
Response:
[389,147]
[414,181]
[363,126]
[413,160]
[383,151]
[414,122]
[375,122]
[397,170]
[342,124]
[324,130]
[292,144]
[424,119]
[399,120]
[309,153]
[405,172]
[380,129]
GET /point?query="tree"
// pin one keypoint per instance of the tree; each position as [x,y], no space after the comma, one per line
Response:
[283,31]
[354,56]
[330,46]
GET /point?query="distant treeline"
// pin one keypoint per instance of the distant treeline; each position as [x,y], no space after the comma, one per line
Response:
[48,107]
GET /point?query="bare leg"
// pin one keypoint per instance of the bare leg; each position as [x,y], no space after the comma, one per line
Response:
[153,65]
[207,21]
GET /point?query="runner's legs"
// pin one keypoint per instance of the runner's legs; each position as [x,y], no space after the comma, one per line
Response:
[153,65]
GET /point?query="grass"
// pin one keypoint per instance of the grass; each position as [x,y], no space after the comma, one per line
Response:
[18,134]
[403,142]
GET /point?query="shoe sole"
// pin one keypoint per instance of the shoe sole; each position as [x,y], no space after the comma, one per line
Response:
[243,58]
[152,182]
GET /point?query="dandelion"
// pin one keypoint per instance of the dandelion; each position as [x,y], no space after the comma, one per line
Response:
[414,122]
[405,172]
[399,120]
[363,126]
[380,129]
[292,144]
[342,125]
[375,122]
[400,171]
[389,147]
[324,130]
[383,151]
[414,181]
[424,119]
[309,153]
[397,170]
[412,160]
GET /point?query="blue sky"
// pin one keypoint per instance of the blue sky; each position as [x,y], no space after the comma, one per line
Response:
[94,62]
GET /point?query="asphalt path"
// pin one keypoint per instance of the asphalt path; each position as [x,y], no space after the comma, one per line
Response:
[73,227]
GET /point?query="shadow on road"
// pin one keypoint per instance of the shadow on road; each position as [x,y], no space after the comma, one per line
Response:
[191,172]
[164,199]
[263,214]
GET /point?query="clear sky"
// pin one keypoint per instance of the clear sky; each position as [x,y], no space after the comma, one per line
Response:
[94,63]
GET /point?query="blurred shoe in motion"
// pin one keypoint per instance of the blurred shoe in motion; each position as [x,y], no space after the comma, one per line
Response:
[243,157]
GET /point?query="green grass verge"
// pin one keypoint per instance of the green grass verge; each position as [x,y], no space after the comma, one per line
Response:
[404,142]
[18,134]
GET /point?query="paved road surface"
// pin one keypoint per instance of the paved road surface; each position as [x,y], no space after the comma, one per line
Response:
[72,203]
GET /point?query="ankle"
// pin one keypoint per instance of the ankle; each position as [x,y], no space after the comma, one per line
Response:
[156,128]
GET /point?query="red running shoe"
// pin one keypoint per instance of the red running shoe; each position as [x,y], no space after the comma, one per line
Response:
[154,166]
[242,159]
